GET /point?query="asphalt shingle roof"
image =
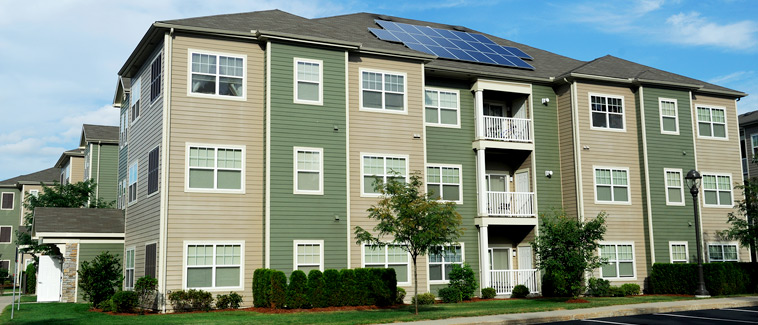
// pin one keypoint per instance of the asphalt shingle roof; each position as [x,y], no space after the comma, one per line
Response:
[748,118]
[78,220]
[105,133]
[45,176]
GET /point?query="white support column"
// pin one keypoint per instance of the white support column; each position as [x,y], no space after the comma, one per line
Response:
[481,182]
[479,113]
[484,257]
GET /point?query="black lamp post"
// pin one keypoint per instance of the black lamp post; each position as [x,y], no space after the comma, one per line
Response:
[693,181]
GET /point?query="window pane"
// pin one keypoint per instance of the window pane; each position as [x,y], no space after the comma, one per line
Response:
[609,270]
[599,120]
[394,101]
[372,81]
[709,182]
[730,252]
[431,115]
[396,254]
[619,177]
[307,91]
[228,277]
[448,116]
[430,98]
[435,272]
[402,272]
[370,183]
[199,277]
[307,71]
[711,197]
[230,86]
[433,190]
[608,252]
[199,178]
[373,255]
[724,183]
[703,114]
[626,269]
[719,130]
[603,176]
[203,84]
[714,252]
[230,179]
[451,192]
[598,103]
[603,193]
[396,165]
[372,99]
[308,181]
[450,175]
[616,121]
[675,195]
[725,198]
[718,116]
[620,194]
[669,124]
[704,129]
[668,108]
[448,100]
[433,175]
[394,83]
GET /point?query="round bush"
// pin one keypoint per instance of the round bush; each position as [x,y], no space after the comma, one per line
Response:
[424,299]
[297,296]
[333,287]
[630,289]
[400,296]
[451,295]
[317,289]
[124,301]
[488,293]
[520,291]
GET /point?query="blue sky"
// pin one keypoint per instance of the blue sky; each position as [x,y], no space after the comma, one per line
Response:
[59,58]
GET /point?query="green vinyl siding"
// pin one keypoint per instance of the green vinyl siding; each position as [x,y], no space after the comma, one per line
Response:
[446,145]
[302,216]
[107,169]
[88,252]
[546,149]
[11,218]
[670,223]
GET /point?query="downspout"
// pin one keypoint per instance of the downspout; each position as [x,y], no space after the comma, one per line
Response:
[97,178]
[168,49]
[648,199]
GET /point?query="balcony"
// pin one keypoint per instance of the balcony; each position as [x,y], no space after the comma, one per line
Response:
[510,204]
[503,281]
[507,129]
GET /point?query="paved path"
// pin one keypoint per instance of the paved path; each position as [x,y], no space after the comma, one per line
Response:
[600,312]
[5,301]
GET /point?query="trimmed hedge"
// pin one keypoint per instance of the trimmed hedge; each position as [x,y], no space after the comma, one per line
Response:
[333,288]
[261,287]
[278,290]
[317,289]
[720,278]
[488,293]
[124,301]
[450,295]
[297,296]
[520,291]
[350,291]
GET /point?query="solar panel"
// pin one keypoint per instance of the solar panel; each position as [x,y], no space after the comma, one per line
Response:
[451,44]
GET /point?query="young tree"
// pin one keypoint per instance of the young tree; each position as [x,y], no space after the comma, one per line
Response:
[100,278]
[744,227]
[412,219]
[567,248]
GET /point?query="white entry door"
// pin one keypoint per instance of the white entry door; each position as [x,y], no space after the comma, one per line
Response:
[522,181]
[525,257]
[49,279]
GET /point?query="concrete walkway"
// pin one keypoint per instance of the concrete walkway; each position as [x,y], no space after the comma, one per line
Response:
[5,301]
[608,311]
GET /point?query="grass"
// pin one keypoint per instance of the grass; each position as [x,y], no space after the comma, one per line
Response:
[62,313]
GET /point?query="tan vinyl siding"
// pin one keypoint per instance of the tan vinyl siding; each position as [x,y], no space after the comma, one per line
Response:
[213,217]
[77,169]
[566,142]
[25,190]
[384,133]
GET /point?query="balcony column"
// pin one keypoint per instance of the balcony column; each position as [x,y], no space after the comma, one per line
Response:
[484,256]
[481,182]
[479,113]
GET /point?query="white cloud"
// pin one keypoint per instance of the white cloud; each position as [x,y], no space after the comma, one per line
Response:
[734,76]
[611,16]
[693,29]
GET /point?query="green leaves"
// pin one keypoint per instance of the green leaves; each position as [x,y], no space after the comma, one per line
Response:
[744,227]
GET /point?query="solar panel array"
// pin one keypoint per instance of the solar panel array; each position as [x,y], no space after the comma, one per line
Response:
[451,44]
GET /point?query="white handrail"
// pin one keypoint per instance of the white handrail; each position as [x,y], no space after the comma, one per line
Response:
[507,128]
[511,204]
[503,281]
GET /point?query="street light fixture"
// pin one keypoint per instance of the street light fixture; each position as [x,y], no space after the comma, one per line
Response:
[693,181]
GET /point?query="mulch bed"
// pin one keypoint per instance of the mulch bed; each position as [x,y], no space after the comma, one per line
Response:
[577,301]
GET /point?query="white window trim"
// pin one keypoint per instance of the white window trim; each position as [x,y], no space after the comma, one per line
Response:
[710,109]
[722,243]
[135,164]
[11,235]
[666,185]
[753,145]
[439,120]
[385,155]
[628,185]
[133,249]
[384,102]
[634,260]
[460,179]
[13,200]
[216,96]
[731,190]
[428,264]
[34,193]
[676,116]
[320,244]
[623,112]
[320,101]
[686,251]
[213,272]
[295,170]
[386,263]
[138,83]
[188,189]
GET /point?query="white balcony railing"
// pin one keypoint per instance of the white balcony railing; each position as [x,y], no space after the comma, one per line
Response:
[507,129]
[510,204]
[503,281]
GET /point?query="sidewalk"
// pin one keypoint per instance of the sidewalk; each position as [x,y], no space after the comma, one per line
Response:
[608,311]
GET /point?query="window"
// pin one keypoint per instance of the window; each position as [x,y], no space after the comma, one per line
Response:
[674,188]
[444,182]
[390,256]
[5,264]
[133,182]
[717,190]
[722,253]
[123,129]
[309,255]
[5,234]
[34,193]
[308,81]
[217,75]
[607,112]
[378,169]
[754,144]
[7,201]
[217,169]
[309,171]
[65,171]
[669,116]
[382,91]
[619,260]
[136,95]
[441,263]
[679,252]
[155,78]
[441,107]
[214,265]
[129,269]
[711,122]
[612,185]
[150,259]
[152,171]
[123,193]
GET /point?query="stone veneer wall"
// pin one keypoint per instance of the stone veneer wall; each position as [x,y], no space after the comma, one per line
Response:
[68,279]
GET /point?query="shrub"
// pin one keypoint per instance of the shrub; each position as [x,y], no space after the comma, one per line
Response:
[488,293]
[106,306]
[31,279]
[100,277]
[124,301]
[598,287]
[380,293]
[363,279]
[399,299]
[191,300]
[424,299]
[179,300]
[451,295]
[232,300]
[630,289]
[615,291]
[520,291]
[317,289]
[464,279]
[261,287]
[720,278]
[297,290]
[278,289]
[350,292]
[389,280]
[145,289]
[333,287]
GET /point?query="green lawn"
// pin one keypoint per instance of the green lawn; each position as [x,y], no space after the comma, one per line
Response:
[60,313]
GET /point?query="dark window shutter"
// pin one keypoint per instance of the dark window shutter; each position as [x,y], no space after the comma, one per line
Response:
[152,171]
[150,260]
[5,234]
[155,85]
[7,201]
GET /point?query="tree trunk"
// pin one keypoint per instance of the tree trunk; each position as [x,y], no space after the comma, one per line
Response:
[415,282]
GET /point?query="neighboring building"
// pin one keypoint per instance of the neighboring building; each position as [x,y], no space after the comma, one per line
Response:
[254,140]
[749,143]
[71,166]
[100,143]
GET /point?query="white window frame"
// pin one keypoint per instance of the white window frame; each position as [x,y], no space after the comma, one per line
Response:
[387,264]
[13,200]
[754,145]
[124,127]
[216,95]
[634,259]
[404,111]
[131,250]
[10,238]
[136,84]
[385,156]
[731,190]
[296,84]
[676,114]
[710,111]
[628,185]
[666,185]
[460,179]
[686,252]
[215,188]
[134,165]
[320,171]
[215,243]
[320,244]
[439,119]
[722,244]
[443,281]
[623,112]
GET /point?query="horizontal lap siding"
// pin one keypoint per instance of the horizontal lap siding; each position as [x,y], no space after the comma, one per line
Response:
[77,169]
[88,252]
[108,168]
[11,218]
[546,149]
[566,144]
